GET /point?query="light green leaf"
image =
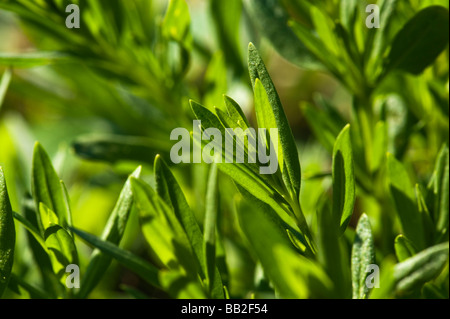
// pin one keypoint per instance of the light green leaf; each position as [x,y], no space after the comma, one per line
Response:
[46,187]
[420,41]
[143,269]
[292,275]
[32,59]
[291,165]
[113,233]
[177,22]
[439,192]
[413,272]
[363,255]
[7,235]
[169,244]
[404,199]
[168,189]
[4,83]
[179,286]
[210,227]
[343,179]
[113,148]
[404,248]
[61,249]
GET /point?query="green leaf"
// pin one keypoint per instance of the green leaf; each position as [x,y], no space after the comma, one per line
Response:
[420,41]
[292,275]
[179,286]
[343,179]
[169,244]
[439,192]
[413,272]
[32,59]
[363,255]
[291,165]
[4,83]
[7,235]
[210,226]
[46,187]
[113,233]
[380,142]
[143,269]
[235,113]
[404,199]
[61,249]
[227,30]
[168,189]
[332,253]
[113,148]
[270,13]
[266,119]
[404,248]
[177,22]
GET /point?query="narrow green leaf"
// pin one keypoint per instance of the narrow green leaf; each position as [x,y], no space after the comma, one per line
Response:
[343,179]
[404,248]
[292,275]
[168,189]
[403,195]
[332,255]
[420,41]
[143,269]
[169,244]
[113,233]
[4,83]
[32,59]
[31,229]
[210,226]
[113,148]
[291,165]
[363,255]
[46,187]
[413,272]
[387,280]
[7,235]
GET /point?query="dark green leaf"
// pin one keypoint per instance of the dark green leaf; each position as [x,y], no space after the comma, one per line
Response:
[7,235]
[291,166]
[343,179]
[210,227]
[404,199]
[270,13]
[113,233]
[420,41]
